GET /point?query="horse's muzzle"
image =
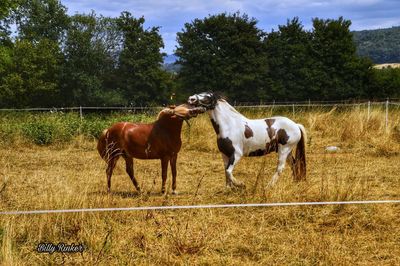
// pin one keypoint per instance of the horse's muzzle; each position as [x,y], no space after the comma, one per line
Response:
[187,111]
[197,110]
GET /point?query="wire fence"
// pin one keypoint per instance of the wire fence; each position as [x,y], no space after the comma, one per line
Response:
[217,206]
[291,107]
[82,109]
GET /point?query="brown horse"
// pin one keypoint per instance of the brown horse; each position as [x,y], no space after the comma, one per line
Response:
[158,140]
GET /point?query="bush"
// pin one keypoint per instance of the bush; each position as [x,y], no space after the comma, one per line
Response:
[40,133]
[93,128]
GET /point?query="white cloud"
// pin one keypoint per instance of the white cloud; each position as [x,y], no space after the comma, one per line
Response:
[172,14]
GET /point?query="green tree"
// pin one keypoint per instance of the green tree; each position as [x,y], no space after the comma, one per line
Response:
[33,77]
[140,76]
[340,74]
[384,83]
[91,52]
[42,19]
[291,66]
[34,68]
[223,52]
[6,9]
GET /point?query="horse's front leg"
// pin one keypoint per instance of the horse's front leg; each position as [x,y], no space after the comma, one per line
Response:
[130,172]
[173,171]
[229,163]
[164,172]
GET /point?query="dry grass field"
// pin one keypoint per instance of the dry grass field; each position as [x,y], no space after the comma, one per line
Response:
[72,175]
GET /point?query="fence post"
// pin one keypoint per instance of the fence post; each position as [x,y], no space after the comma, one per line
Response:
[387,115]
[369,109]
[293,109]
[80,112]
[273,106]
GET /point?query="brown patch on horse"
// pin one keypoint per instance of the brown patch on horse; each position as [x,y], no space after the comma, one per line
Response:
[225,146]
[271,146]
[258,152]
[271,131]
[282,136]
[269,121]
[248,133]
[215,126]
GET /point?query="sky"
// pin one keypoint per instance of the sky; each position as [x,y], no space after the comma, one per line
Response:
[171,15]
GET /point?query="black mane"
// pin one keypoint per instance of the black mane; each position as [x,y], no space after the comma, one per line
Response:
[217,95]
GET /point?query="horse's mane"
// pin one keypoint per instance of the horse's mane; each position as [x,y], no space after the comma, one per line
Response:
[230,107]
[218,96]
[168,110]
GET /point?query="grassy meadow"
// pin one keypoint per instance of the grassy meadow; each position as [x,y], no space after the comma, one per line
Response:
[50,161]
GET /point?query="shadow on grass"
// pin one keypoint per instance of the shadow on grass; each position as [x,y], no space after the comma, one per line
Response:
[122,194]
[135,194]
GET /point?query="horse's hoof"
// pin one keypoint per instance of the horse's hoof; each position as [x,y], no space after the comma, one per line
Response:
[269,186]
[174,192]
[228,186]
[240,185]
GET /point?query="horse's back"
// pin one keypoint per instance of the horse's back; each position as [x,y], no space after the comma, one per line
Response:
[267,129]
[287,127]
[122,136]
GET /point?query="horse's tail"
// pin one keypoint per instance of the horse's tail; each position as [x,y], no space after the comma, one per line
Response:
[300,157]
[102,144]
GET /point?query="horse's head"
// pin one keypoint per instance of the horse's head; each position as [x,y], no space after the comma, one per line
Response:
[183,111]
[205,99]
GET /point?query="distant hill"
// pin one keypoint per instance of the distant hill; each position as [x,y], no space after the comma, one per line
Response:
[169,63]
[381,46]
[170,59]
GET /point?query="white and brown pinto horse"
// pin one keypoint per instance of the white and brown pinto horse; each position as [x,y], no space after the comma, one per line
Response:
[239,136]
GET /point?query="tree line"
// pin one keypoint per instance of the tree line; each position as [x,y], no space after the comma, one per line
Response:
[90,60]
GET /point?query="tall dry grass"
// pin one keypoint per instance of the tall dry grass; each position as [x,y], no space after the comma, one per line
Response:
[71,175]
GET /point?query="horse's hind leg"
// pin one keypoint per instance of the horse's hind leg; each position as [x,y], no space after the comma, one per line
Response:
[129,170]
[109,171]
[283,152]
[291,161]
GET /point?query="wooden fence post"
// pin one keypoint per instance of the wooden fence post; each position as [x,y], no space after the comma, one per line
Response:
[387,115]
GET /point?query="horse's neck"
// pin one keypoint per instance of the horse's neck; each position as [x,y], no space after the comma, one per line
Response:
[225,114]
[172,125]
